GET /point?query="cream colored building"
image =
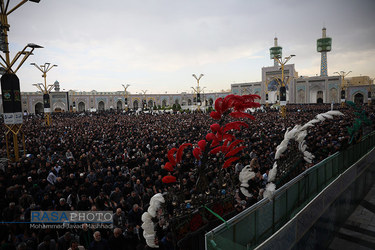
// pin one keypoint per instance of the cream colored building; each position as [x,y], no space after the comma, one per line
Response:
[32,102]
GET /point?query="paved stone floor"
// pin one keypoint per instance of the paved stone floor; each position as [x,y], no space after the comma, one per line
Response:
[358,232]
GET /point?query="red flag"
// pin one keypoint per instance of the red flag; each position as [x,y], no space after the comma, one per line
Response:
[242,115]
[234,151]
[171,158]
[229,162]
[181,150]
[168,166]
[168,179]
[202,145]
[197,153]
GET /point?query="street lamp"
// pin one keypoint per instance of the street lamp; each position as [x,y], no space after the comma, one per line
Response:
[126,95]
[45,89]
[198,90]
[10,86]
[283,84]
[343,74]
[4,43]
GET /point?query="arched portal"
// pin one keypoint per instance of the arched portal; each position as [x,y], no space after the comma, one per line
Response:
[150,104]
[39,108]
[101,106]
[59,107]
[358,98]
[81,107]
[164,103]
[301,96]
[135,105]
[211,101]
[333,95]
[189,102]
[319,97]
[119,105]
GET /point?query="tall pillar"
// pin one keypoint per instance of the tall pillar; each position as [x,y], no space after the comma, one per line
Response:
[324,45]
[323,64]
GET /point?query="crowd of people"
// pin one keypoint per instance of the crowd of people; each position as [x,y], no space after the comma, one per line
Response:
[114,161]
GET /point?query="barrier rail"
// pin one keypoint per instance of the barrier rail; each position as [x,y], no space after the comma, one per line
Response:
[255,224]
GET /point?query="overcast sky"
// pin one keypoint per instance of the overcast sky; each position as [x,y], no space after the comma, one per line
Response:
[156,45]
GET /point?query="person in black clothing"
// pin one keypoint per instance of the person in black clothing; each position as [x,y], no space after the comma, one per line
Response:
[84,204]
[133,199]
[135,215]
[47,244]
[119,219]
[64,241]
[131,238]
[85,236]
[99,243]
[46,203]
[117,240]
[127,189]
[167,242]
[62,206]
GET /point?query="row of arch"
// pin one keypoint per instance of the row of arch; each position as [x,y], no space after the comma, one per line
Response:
[358,98]
[332,97]
[119,105]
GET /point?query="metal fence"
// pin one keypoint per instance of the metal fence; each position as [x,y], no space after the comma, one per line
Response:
[254,225]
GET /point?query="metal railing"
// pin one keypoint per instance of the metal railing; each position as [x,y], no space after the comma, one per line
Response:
[255,224]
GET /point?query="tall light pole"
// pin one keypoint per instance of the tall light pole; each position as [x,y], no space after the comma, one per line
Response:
[46,89]
[126,95]
[343,74]
[283,84]
[10,86]
[198,90]
[4,43]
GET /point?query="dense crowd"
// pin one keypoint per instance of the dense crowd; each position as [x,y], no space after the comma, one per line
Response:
[115,162]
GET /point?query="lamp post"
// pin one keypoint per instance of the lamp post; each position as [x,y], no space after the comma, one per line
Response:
[283,84]
[46,89]
[126,95]
[198,90]
[343,74]
[10,86]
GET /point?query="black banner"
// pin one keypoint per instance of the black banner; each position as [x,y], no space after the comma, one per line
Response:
[46,101]
[11,94]
[282,94]
[342,94]
[198,98]
[266,97]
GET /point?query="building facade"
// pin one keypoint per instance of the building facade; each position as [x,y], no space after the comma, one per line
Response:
[32,102]
[314,89]
[302,89]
